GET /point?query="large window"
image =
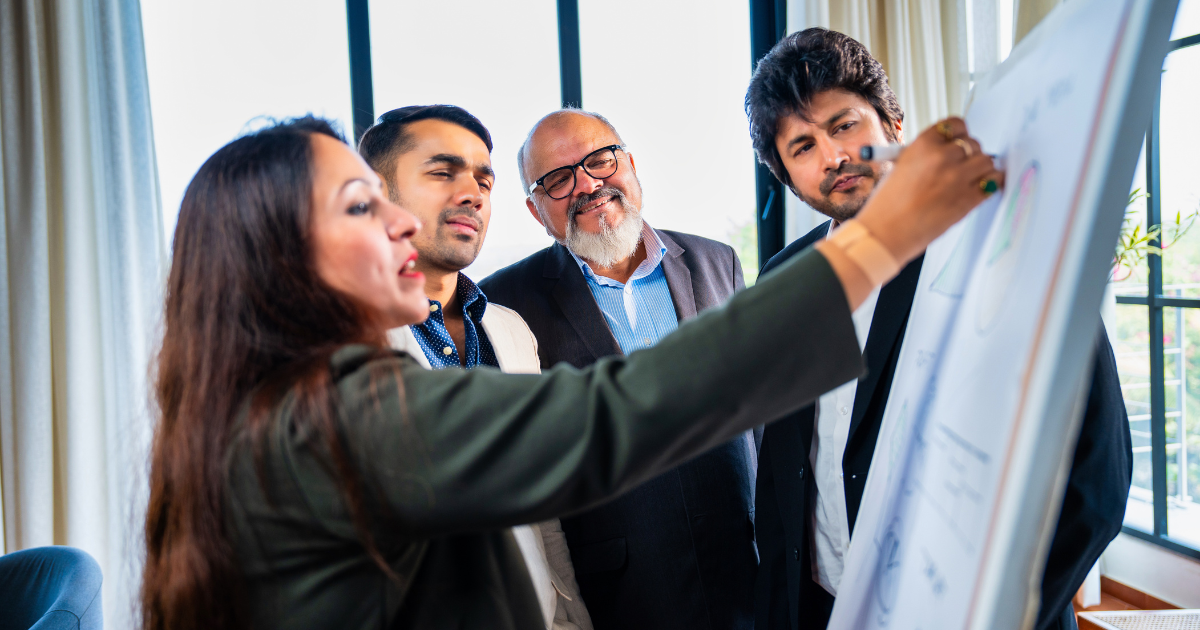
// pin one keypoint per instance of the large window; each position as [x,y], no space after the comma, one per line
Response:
[494,59]
[676,96]
[217,66]
[1155,317]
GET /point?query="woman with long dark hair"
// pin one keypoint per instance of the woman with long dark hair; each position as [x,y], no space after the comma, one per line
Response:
[304,476]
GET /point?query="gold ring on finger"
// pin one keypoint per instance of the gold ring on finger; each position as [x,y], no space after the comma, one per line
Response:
[946,129]
[988,185]
[966,147]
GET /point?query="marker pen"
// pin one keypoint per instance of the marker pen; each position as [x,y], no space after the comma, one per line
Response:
[889,152]
[881,152]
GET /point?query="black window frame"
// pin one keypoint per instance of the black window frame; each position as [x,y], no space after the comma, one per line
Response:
[768,20]
[1155,302]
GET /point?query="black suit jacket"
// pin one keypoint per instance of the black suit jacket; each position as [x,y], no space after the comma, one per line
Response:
[1093,505]
[677,551]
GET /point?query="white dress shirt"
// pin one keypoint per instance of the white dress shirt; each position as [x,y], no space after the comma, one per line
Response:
[830,525]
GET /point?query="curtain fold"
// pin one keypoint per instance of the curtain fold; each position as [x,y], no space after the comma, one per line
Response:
[80,278]
[1027,14]
[929,48]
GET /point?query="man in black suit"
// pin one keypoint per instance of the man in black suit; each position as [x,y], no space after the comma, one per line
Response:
[813,102]
[677,551]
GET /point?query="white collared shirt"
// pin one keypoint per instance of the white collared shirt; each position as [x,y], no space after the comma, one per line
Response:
[831,428]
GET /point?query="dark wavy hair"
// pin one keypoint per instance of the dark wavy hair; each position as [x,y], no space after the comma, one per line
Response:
[247,320]
[798,68]
[387,139]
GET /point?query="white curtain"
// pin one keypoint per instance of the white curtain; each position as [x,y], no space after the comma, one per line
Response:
[81,259]
[1028,13]
[930,49]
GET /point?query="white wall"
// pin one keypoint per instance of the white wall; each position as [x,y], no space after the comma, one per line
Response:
[1154,570]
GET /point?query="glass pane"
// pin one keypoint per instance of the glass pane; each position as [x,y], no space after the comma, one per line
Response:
[1130,338]
[1187,19]
[1180,162]
[671,98]
[216,66]
[497,60]
[1129,271]
[1181,361]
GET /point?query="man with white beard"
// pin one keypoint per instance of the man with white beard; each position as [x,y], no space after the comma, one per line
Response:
[677,551]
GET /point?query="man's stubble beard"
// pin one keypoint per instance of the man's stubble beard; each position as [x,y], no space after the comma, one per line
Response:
[449,251]
[842,212]
[445,251]
[614,243]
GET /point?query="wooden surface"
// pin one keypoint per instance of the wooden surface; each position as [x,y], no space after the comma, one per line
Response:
[1141,620]
[1116,596]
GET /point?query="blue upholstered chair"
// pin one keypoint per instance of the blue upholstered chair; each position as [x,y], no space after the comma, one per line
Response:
[50,588]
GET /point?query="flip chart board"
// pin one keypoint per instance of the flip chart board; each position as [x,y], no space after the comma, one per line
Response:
[983,414]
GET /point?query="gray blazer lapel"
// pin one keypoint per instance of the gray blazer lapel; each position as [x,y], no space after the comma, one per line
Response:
[574,297]
[679,279]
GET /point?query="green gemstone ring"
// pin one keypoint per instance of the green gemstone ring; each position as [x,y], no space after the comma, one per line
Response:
[988,186]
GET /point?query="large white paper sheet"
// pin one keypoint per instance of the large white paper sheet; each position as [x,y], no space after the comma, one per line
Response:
[970,372]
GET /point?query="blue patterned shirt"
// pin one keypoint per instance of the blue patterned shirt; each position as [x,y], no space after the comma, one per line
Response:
[435,340]
[638,312]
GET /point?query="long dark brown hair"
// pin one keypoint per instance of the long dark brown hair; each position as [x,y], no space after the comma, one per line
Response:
[245,315]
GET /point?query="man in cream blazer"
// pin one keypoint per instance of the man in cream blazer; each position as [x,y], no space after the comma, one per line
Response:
[512,341]
[435,161]
[543,544]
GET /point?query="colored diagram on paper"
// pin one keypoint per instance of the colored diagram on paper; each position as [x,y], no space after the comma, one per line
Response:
[1003,252]
[951,281]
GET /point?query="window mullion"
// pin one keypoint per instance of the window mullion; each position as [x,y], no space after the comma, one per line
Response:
[570,64]
[362,89]
[1158,416]
[768,25]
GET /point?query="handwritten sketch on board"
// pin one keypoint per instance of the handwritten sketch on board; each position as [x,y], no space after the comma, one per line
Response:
[986,340]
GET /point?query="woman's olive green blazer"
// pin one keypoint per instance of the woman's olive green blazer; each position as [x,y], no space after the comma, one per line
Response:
[455,458]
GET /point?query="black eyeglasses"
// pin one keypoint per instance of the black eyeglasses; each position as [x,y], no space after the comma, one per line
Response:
[560,183]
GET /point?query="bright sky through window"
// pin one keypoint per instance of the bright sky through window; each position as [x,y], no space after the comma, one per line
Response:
[217,67]
[497,60]
[677,97]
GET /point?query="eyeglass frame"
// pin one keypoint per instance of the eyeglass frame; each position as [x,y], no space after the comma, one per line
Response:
[612,147]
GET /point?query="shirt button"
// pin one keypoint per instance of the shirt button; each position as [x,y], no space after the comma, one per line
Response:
[447,350]
[647,341]
[795,553]
[433,308]
[845,410]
